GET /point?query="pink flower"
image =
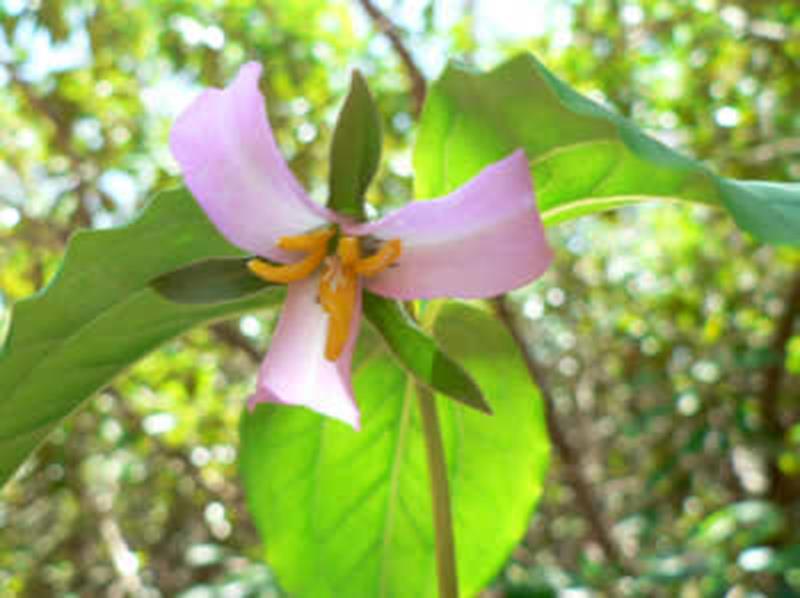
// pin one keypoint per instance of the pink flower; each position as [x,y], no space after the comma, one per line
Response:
[481,240]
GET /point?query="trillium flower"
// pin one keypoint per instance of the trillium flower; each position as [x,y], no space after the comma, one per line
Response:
[479,241]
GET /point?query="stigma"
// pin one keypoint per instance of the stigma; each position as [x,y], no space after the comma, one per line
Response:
[339,283]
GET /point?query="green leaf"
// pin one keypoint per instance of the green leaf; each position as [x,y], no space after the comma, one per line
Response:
[217,280]
[99,315]
[584,158]
[419,353]
[346,513]
[355,151]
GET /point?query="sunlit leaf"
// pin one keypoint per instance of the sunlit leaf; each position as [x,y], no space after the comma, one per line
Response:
[584,158]
[346,513]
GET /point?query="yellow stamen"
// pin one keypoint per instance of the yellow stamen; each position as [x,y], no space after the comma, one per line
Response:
[308,242]
[349,251]
[288,273]
[338,293]
[387,255]
[315,243]
[338,287]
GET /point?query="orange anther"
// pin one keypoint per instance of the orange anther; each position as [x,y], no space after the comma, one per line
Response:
[348,251]
[307,242]
[388,254]
[338,293]
[289,272]
[314,243]
[338,286]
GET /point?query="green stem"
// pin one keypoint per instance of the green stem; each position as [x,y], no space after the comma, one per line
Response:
[440,496]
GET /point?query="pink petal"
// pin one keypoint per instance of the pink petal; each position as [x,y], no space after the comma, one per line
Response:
[484,239]
[295,371]
[232,165]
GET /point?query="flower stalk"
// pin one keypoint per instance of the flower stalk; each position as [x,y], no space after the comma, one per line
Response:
[447,574]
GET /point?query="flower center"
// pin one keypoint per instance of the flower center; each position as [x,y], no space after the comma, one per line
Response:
[338,287]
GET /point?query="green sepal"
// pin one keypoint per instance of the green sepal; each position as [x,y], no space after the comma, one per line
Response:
[420,354]
[216,280]
[355,150]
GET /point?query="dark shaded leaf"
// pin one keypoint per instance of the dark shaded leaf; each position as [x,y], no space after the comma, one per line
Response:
[98,315]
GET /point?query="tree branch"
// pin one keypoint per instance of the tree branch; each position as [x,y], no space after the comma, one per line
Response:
[766,152]
[61,141]
[570,458]
[415,76]
[774,373]
[783,489]
[228,334]
[130,418]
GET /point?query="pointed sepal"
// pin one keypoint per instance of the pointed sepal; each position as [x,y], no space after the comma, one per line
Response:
[355,151]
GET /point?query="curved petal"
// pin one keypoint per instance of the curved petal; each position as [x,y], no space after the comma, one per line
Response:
[232,165]
[295,371]
[483,239]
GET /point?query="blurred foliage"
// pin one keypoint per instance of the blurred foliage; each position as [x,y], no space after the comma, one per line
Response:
[671,339]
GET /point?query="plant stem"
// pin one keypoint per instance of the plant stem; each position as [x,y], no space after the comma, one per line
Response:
[440,496]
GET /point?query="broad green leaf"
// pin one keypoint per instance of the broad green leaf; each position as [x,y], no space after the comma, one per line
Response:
[346,513]
[355,150]
[98,315]
[419,353]
[216,280]
[584,158]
